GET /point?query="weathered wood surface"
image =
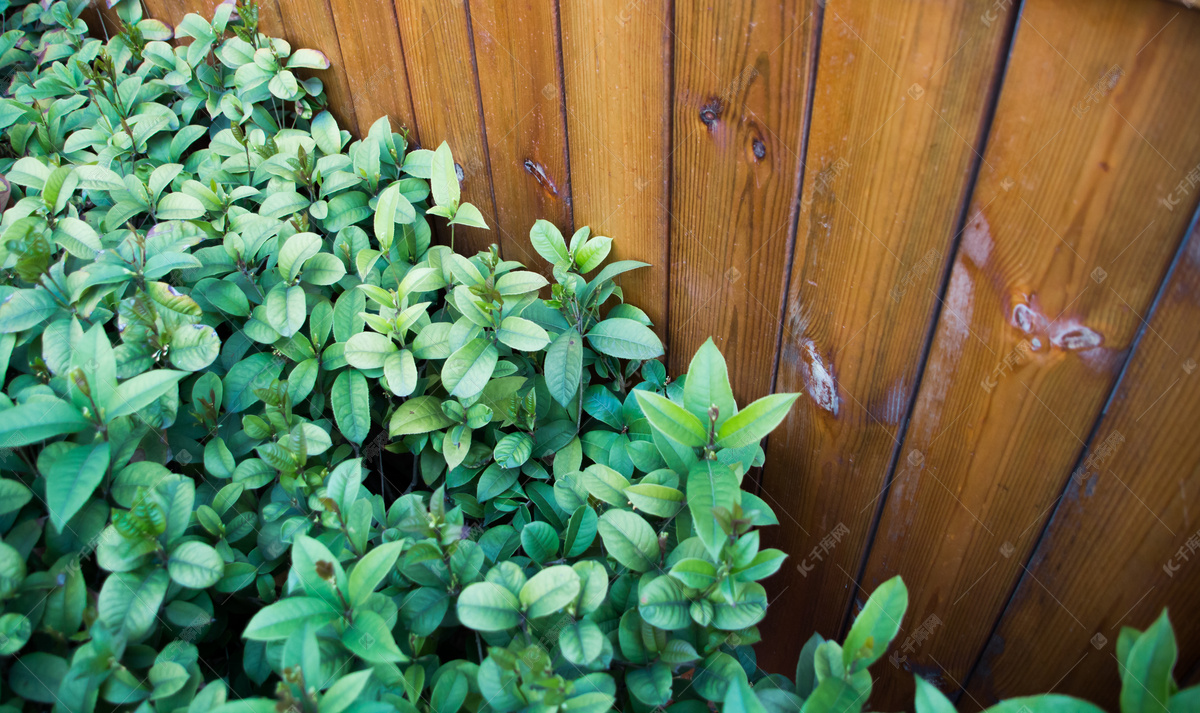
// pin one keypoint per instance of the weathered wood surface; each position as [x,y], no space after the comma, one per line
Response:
[741,90]
[902,92]
[517,50]
[616,74]
[1131,509]
[1063,252]
[438,54]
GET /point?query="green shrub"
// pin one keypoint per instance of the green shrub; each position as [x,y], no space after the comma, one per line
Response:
[267,448]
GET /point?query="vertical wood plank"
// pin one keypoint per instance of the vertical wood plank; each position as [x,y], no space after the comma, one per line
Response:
[741,93]
[516,46]
[374,63]
[1111,556]
[616,71]
[438,55]
[309,23]
[1092,124]
[901,97]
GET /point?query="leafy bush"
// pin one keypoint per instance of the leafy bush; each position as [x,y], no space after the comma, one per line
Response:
[266,447]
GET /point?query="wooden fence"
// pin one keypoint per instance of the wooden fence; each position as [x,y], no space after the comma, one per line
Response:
[963,228]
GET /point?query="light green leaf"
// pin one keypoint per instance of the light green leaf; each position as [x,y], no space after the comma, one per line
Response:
[444,181]
[522,334]
[625,339]
[142,390]
[672,420]
[549,591]
[372,569]
[629,539]
[72,478]
[485,606]
[564,366]
[710,485]
[753,423]
[419,415]
[195,565]
[876,625]
[1146,683]
[351,401]
[468,369]
[708,385]
[277,621]
[548,241]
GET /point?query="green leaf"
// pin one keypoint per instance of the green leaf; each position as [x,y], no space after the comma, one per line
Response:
[295,252]
[72,478]
[625,339]
[806,675]
[444,180]
[662,603]
[581,642]
[930,700]
[549,591]
[651,685]
[540,541]
[834,695]
[564,366]
[39,419]
[194,346]
[370,639]
[129,603]
[22,309]
[522,335]
[1146,682]
[629,539]
[323,269]
[13,496]
[548,241]
[372,569]
[658,500]
[708,385]
[195,565]
[324,130]
[876,625]
[672,420]
[401,372]
[468,369]
[1046,703]
[419,415]
[344,692]
[278,621]
[710,485]
[468,215]
[740,698]
[369,350]
[485,606]
[351,401]
[179,206]
[753,423]
[142,390]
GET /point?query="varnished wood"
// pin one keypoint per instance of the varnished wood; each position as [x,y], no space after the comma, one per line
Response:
[616,69]
[374,63]
[741,92]
[1111,556]
[1091,129]
[516,45]
[438,56]
[901,95]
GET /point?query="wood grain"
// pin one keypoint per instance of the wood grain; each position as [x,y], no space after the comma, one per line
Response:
[616,70]
[901,94]
[517,47]
[436,38]
[741,92]
[374,63]
[1111,555]
[1090,128]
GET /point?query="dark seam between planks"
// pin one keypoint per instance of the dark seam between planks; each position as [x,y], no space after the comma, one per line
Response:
[560,71]
[487,154]
[818,18]
[1189,234]
[669,151]
[986,120]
